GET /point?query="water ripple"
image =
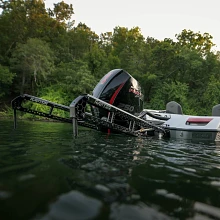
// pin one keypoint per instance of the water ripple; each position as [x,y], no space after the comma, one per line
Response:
[122,176]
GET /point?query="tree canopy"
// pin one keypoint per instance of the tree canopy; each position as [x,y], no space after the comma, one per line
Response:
[43,52]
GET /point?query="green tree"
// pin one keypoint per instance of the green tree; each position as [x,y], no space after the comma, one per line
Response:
[74,78]
[162,60]
[21,20]
[12,27]
[74,44]
[6,79]
[201,42]
[211,96]
[128,45]
[172,91]
[105,42]
[97,61]
[32,61]
[160,66]
[63,11]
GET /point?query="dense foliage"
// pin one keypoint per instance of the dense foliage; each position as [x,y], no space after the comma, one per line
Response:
[43,53]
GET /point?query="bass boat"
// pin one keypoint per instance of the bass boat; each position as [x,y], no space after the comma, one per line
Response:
[116,105]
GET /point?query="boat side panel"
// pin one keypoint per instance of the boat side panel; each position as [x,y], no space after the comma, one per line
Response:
[180,122]
[195,135]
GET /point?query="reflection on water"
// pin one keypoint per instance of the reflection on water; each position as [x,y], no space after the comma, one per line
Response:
[47,174]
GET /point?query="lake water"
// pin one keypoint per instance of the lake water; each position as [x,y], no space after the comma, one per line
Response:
[45,173]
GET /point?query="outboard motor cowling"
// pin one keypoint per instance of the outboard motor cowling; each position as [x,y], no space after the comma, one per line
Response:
[120,89]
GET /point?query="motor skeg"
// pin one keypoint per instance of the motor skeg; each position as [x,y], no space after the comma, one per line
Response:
[120,89]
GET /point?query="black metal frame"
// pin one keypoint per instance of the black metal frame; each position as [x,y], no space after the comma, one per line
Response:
[78,116]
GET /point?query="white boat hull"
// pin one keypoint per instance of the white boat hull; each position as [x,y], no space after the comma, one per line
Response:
[195,135]
[188,127]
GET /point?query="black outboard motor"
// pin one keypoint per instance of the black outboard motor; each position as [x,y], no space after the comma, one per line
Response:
[120,89]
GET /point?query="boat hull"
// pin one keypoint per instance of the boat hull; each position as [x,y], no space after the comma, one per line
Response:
[204,128]
[188,127]
[195,135]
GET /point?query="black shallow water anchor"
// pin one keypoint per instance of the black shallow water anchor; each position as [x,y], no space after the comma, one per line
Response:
[15,118]
[129,124]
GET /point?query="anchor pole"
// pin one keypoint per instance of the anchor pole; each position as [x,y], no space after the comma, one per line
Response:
[15,119]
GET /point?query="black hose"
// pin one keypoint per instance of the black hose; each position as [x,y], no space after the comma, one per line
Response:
[155,116]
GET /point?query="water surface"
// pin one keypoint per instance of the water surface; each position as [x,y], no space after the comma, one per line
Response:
[45,173]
